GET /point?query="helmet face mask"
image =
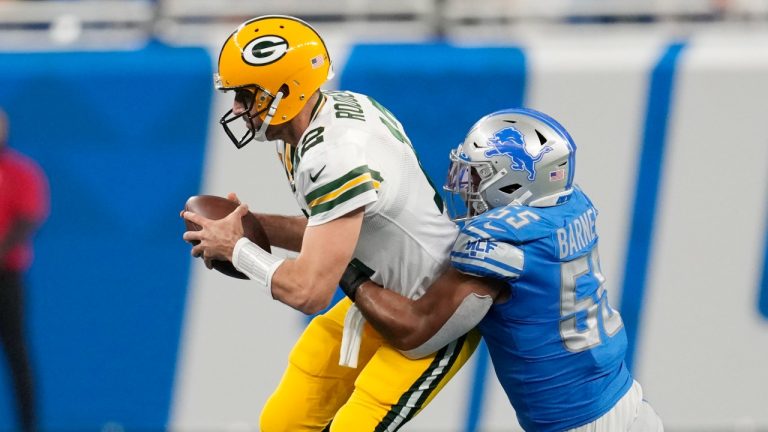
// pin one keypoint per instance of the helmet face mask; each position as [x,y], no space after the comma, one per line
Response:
[282,60]
[517,156]
[463,183]
[242,128]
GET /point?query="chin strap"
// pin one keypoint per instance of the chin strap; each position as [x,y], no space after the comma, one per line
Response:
[261,134]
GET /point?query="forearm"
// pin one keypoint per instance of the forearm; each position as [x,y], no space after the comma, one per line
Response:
[301,288]
[285,280]
[307,283]
[399,319]
[451,306]
[285,232]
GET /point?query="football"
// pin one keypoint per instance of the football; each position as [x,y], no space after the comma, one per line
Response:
[216,207]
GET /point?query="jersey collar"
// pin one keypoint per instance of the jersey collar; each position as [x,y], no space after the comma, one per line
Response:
[318,107]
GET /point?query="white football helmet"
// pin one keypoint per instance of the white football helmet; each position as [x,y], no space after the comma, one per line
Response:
[516,156]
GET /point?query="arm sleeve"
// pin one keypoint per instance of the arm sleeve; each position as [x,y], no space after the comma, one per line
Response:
[469,313]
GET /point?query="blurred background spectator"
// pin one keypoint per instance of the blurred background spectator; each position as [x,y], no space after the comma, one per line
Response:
[23,207]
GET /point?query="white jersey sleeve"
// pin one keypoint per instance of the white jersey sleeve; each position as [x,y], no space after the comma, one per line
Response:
[336,177]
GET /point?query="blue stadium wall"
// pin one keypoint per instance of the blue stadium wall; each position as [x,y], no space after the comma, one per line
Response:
[122,139]
[128,332]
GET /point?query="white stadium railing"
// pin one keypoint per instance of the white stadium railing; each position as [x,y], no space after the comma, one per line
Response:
[84,23]
[30,25]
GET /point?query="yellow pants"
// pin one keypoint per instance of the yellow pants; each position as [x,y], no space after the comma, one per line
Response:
[386,389]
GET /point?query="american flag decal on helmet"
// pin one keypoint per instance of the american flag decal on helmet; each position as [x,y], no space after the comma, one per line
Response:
[556,175]
[317,61]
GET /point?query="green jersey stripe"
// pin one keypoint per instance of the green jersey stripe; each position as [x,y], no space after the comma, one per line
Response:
[316,109]
[335,184]
[377,176]
[346,196]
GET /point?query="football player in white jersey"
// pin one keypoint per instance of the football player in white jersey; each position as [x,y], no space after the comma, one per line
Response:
[365,199]
[526,271]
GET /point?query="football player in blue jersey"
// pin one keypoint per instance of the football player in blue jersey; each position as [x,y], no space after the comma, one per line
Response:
[526,271]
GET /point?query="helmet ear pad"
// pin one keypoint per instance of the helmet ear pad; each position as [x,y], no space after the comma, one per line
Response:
[285,90]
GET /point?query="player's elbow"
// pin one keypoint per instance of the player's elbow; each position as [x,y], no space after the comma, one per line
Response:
[409,335]
[311,297]
[312,306]
[416,347]
[302,287]
[410,341]
[422,344]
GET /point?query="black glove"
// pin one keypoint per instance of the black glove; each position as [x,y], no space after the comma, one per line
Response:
[353,277]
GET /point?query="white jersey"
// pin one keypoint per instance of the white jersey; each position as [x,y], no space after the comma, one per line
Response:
[355,154]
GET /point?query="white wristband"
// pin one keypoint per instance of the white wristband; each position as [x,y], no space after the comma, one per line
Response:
[255,262]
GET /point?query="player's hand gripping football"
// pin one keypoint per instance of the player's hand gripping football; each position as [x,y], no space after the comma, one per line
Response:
[233,197]
[216,238]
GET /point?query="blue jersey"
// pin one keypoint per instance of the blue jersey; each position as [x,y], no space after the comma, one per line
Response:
[557,345]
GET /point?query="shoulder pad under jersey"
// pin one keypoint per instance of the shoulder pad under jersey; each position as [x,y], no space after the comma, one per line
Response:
[513,224]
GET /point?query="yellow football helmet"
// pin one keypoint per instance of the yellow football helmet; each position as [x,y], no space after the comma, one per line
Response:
[274,63]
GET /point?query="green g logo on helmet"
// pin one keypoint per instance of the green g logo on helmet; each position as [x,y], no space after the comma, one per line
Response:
[265,50]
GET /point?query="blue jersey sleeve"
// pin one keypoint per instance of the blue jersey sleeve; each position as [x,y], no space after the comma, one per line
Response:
[478,252]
